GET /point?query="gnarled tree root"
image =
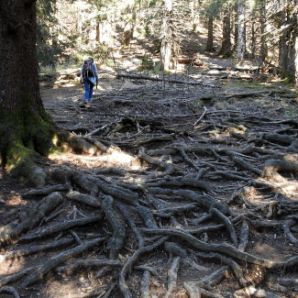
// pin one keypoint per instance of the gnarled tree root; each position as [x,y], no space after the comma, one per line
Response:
[33,217]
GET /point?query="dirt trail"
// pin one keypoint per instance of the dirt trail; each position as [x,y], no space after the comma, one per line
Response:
[175,189]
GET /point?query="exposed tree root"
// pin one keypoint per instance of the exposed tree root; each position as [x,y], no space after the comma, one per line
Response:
[10,290]
[172,276]
[130,262]
[33,217]
[39,272]
[56,228]
[119,232]
[169,208]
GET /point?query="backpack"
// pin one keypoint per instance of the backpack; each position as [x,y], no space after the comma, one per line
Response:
[88,69]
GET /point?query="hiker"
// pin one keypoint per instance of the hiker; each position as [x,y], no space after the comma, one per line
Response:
[89,78]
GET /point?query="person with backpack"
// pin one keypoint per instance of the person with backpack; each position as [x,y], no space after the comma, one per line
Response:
[89,77]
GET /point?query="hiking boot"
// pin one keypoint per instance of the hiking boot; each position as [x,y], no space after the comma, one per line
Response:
[87,105]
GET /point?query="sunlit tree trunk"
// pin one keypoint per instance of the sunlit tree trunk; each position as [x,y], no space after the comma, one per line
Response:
[167,41]
[226,46]
[241,30]
[210,38]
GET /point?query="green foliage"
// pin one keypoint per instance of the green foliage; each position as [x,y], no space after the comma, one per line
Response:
[214,7]
[48,47]
[152,3]
[147,63]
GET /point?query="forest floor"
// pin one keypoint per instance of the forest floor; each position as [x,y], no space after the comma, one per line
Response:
[180,187]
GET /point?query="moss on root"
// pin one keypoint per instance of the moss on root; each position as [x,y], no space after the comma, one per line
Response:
[23,135]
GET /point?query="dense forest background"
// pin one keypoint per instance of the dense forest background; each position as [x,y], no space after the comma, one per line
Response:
[158,34]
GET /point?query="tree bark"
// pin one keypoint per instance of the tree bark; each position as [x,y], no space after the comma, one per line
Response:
[167,41]
[209,46]
[263,18]
[226,46]
[283,44]
[25,126]
[296,60]
[241,30]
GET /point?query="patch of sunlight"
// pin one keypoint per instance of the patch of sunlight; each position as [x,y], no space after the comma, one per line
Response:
[282,185]
[80,285]
[10,265]
[15,199]
[254,197]
[114,157]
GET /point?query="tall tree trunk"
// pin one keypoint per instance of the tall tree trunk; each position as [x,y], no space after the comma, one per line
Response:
[296,60]
[209,46]
[226,46]
[284,42]
[98,31]
[263,18]
[235,19]
[241,30]
[167,41]
[24,124]
[253,39]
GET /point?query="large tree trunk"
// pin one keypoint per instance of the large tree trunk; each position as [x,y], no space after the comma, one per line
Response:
[25,127]
[226,46]
[209,46]
[241,30]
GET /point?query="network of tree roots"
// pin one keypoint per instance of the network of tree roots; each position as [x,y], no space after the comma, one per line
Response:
[175,190]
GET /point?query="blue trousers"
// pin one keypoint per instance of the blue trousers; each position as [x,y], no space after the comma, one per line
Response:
[88,90]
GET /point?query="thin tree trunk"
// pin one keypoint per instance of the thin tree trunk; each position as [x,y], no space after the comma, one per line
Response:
[241,30]
[97,31]
[263,48]
[253,39]
[235,18]
[296,60]
[209,46]
[167,42]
